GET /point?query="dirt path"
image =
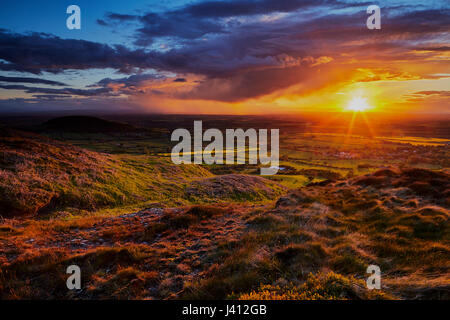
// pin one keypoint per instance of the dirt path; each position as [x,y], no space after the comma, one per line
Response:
[177,244]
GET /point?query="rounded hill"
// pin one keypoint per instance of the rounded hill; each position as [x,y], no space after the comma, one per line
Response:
[86,124]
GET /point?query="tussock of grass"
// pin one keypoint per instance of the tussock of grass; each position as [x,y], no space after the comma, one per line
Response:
[330,286]
[311,253]
[196,213]
[48,270]
[349,264]
[127,282]
[234,187]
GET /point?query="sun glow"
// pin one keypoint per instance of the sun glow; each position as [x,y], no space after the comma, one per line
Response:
[358,104]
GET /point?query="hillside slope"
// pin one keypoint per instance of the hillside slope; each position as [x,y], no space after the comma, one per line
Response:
[395,219]
[40,175]
[313,243]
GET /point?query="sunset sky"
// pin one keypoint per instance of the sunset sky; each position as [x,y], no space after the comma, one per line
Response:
[225,57]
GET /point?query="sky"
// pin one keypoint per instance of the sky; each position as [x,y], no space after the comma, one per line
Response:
[225,57]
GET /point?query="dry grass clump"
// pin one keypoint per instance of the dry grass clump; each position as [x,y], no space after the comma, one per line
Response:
[330,286]
[47,269]
[194,214]
[131,256]
[301,254]
[235,187]
[127,282]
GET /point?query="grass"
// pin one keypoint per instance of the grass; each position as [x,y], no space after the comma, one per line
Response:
[314,244]
[42,176]
[47,268]
[330,286]
[318,243]
[120,265]
[143,228]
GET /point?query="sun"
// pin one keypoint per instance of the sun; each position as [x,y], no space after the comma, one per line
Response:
[358,104]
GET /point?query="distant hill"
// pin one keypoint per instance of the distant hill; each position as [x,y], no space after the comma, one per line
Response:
[87,124]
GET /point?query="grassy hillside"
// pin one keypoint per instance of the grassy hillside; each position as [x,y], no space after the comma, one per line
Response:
[40,175]
[312,243]
[141,227]
[398,220]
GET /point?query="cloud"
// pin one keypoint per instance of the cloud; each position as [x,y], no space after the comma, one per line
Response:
[239,50]
[39,52]
[197,20]
[249,45]
[174,25]
[439,48]
[63,91]
[131,81]
[443,93]
[31,80]
[223,9]
[383,74]
[55,103]
[440,96]
[102,22]
[255,83]
[122,17]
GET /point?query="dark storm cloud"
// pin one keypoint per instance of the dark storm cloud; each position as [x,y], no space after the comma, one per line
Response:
[197,20]
[131,81]
[38,52]
[128,85]
[260,45]
[63,91]
[102,22]
[122,17]
[112,18]
[223,9]
[169,24]
[443,48]
[174,25]
[248,85]
[417,23]
[55,103]
[31,80]
[49,97]
[248,46]
[248,57]
[399,27]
